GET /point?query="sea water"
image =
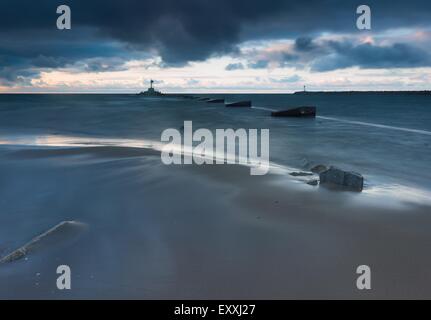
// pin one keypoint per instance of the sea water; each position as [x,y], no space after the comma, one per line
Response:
[384,136]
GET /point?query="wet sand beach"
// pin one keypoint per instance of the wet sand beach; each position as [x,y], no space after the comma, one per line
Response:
[198,232]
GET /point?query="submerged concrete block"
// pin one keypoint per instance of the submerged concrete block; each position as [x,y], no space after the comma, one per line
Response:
[296,112]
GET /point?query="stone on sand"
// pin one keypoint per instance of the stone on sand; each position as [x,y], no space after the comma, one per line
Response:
[346,179]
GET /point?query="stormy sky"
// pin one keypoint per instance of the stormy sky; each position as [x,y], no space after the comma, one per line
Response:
[214,46]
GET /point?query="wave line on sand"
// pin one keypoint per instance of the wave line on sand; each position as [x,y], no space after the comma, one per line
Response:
[189,151]
[377,125]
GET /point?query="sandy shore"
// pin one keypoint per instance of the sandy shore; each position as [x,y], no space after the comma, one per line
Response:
[157,231]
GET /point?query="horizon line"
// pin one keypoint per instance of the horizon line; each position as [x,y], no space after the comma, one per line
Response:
[227,92]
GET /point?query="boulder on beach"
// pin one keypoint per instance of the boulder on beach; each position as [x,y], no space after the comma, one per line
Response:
[296,112]
[246,103]
[346,179]
[215,101]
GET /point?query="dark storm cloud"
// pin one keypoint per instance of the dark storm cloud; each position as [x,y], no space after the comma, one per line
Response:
[304,44]
[178,30]
[327,55]
[345,54]
[23,55]
[17,75]
[100,65]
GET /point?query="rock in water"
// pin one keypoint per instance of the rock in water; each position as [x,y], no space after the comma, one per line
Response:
[246,104]
[55,234]
[296,112]
[346,179]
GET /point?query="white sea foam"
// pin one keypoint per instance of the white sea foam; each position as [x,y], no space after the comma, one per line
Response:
[263,108]
[188,151]
[376,125]
[393,192]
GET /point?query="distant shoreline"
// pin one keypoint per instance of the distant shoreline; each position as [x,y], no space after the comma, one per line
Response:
[365,92]
[420,92]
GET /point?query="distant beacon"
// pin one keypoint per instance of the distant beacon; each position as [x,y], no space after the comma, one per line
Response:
[151,92]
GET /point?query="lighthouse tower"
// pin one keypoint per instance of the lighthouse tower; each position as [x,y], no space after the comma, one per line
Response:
[151,91]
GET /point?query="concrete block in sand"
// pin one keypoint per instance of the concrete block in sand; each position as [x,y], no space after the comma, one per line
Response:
[65,229]
[345,179]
